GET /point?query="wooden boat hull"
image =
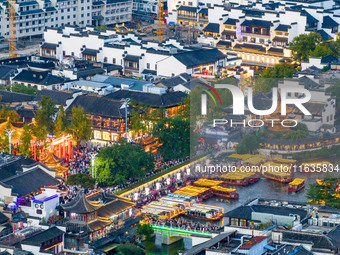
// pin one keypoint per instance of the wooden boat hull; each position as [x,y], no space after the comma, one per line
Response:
[279,180]
[243,183]
[204,218]
[295,189]
[233,196]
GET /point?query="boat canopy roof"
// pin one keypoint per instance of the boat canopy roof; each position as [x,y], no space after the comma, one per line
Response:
[297,182]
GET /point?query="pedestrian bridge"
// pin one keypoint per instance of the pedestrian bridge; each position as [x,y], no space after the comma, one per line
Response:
[168,235]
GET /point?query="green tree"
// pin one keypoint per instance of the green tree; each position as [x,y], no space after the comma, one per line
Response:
[325,192]
[321,51]
[6,113]
[20,89]
[248,144]
[174,134]
[281,70]
[296,135]
[61,124]
[128,249]
[304,44]
[44,118]
[25,141]
[117,163]
[335,91]
[81,127]
[81,179]
[270,76]
[145,230]
[101,28]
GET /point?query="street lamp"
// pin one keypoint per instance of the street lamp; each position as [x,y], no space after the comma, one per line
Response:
[94,166]
[94,169]
[9,133]
[126,104]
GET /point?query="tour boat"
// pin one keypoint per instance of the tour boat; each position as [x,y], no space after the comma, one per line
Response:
[239,178]
[285,161]
[204,212]
[200,193]
[277,172]
[162,209]
[296,185]
[224,192]
[206,183]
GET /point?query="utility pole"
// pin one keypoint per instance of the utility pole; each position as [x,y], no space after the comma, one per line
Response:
[9,133]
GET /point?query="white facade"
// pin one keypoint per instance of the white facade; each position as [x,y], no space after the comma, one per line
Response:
[43,205]
[36,15]
[129,51]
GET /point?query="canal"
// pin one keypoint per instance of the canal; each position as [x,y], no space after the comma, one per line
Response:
[264,188]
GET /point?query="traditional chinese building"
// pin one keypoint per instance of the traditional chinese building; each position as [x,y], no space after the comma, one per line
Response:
[53,162]
[98,213]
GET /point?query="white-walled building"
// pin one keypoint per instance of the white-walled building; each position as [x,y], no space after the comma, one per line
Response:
[33,16]
[134,55]
[259,31]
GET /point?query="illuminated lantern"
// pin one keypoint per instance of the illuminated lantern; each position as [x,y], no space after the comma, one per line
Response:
[147,191]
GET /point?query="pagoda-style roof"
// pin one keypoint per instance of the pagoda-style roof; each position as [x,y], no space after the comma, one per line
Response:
[104,203]
[80,204]
[53,162]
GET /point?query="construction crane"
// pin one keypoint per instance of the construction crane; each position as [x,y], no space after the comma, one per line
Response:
[160,21]
[12,39]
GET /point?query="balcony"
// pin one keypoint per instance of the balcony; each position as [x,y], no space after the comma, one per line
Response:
[187,17]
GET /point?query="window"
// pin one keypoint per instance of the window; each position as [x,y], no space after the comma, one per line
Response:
[114,61]
[234,222]
[39,211]
[148,66]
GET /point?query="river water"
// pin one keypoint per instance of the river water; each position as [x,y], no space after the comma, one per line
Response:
[264,188]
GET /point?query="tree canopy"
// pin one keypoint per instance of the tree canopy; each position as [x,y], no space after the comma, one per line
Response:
[270,76]
[325,193]
[81,179]
[128,249]
[145,230]
[81,127]
[311,45]
[335,91]
[6,113]
[303,45]
[174,134]
[61,124]
[117,163]
[44,117]
[248,144]
[25,141]
[20,89]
